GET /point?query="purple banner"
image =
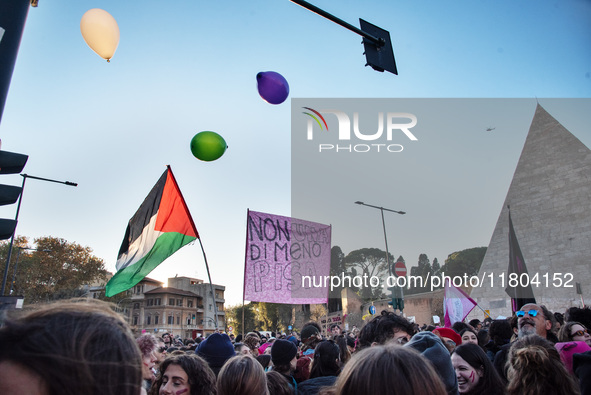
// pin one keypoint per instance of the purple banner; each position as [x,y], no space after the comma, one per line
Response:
[287,260]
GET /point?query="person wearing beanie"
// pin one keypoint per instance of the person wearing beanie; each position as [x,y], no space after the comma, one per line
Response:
[432,348]
[294,340]
[216,349]
[311,336]
[450,338]
[284,358]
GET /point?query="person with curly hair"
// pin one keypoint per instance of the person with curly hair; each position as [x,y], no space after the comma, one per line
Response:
[532,319]
[253,342]
[535,368]
[148,344]
[186,374]
[388,326]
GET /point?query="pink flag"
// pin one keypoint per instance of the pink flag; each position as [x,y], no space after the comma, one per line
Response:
[457,304]
[287,260]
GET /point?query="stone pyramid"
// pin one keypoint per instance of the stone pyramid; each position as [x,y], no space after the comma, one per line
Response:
[550,202]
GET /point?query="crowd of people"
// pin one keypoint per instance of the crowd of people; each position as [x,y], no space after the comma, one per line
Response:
[84,347]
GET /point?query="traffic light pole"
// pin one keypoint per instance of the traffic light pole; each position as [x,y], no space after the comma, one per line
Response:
[18,209]
[390,272]
[376,40]
[379,53]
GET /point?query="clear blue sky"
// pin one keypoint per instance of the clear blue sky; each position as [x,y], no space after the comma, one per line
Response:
[187,66]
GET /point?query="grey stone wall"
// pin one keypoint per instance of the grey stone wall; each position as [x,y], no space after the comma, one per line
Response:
[550,200]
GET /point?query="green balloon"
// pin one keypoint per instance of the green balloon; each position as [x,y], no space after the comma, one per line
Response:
[208,146]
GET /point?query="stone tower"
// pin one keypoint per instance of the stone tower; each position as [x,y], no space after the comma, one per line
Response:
[550,201]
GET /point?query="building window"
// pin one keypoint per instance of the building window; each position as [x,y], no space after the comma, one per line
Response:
[135,319]
[178,320]
[157,302]
[179,302]
[156,320]
[136,306]
[210,308]
[150,302]
[148,320]
[170,320]
[171,302]
[190,303]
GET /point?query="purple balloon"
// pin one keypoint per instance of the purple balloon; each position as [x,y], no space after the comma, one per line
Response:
[273,88]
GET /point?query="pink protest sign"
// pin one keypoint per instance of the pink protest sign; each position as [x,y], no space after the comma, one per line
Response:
[287,260]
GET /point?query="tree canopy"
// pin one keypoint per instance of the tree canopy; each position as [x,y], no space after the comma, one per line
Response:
[52,268]
[234,318]
[464,262]
[368,262]
[260,316]
[424,269]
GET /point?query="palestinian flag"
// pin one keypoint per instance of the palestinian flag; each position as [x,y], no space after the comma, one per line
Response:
[161,226]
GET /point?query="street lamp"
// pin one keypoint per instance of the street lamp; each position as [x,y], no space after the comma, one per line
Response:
[18,208]
[382,209]
[384,226]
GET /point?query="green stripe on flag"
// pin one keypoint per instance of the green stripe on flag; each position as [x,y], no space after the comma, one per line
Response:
[166,245]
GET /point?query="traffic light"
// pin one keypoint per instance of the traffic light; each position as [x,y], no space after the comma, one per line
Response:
[10,163]
[397,299]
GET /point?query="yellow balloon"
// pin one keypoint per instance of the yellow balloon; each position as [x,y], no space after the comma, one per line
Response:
[100,31]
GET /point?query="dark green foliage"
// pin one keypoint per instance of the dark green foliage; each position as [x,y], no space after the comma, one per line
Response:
[366,263]
[57,269]
[464,262]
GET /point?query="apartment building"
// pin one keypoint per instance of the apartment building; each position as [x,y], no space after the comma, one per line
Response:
[186,307]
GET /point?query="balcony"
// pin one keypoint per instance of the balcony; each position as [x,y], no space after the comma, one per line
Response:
[190,326]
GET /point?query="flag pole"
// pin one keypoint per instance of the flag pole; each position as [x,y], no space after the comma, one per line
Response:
[484,311]
[215,309]
[513,301]
[244,275]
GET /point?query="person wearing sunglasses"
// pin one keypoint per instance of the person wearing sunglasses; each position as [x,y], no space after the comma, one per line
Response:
[574,331]
[532,319]
[160,351]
